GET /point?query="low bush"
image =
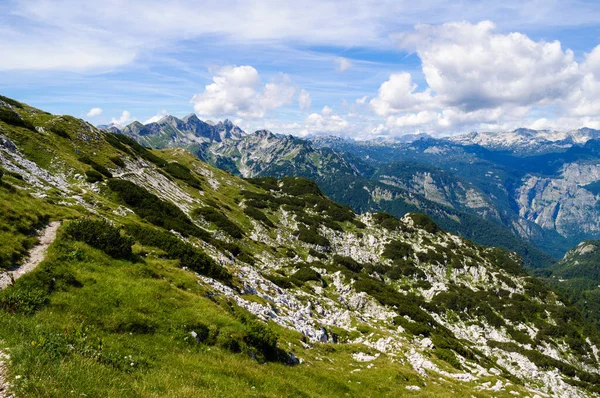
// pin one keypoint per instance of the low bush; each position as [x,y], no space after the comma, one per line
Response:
[312,237]
[188,256]
[387,221]
[60,131]
[93,176]
[117,161]
[155,210]
[101,235]
[220,220]
[424,222]
[258,216]
[14,119]
[183,173]
[347,262]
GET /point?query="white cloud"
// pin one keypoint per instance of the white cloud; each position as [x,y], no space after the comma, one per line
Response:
[478,79]
[237,91]
[471,67]
[398,94]
[123,120]
[157,117]
[343,64]
[324,122]
[304,100]
[94,112]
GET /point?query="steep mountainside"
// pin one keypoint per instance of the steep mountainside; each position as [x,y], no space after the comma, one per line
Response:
[578,276]
[549,198]
[345,179]
[173,278]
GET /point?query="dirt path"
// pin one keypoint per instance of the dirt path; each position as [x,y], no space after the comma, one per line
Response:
[36,256]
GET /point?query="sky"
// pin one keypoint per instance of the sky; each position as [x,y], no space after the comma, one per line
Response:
[357,69]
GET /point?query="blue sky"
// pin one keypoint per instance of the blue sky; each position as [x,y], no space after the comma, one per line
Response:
[355,68]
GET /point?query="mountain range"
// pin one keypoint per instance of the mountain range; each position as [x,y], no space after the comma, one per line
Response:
[536,185]
[170,277]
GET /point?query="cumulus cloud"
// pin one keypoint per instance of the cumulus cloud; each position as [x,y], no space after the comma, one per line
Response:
[324,122]
[471,67]
[477,78]
[94,112]
[304,100]
[238,91]
[157,117]
[123,120]
[343,64]
[398,94]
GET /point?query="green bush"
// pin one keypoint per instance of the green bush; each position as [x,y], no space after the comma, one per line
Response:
[298,186]
[155,210]
[397,250]
[312,237]
[316,254]
[258,216]
[101,235]
[220,220]
[11,101]
[188,256]
[387,221]
[183,173]
[424,222]
[280,281]
[117,161]
[119,141]
[13,118]
[93,176]
[348,262]
[305,274]
[60,131]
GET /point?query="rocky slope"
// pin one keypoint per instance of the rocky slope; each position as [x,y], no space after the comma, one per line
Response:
[282,274]
[354,182]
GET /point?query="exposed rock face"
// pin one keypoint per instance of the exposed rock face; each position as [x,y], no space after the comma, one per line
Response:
[562,203]
[171,132]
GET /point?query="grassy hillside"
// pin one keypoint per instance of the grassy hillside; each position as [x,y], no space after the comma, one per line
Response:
[172,278]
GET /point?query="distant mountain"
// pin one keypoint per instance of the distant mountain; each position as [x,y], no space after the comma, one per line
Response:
[527,142]
[171,132]
[549,197]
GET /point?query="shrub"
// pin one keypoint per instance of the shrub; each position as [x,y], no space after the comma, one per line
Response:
[297,186]
[11,117]
[188,256]
[118,141]
[305,274]
[316,254]
[220,220]
[117,161]
[155,210]
[60,131]
[93,176]
[258,216]
[183,173]
[11,101]
[280,281]
[101,235]
[312,237]
[348,263]
[397,250]
[387,221]
[424,222]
